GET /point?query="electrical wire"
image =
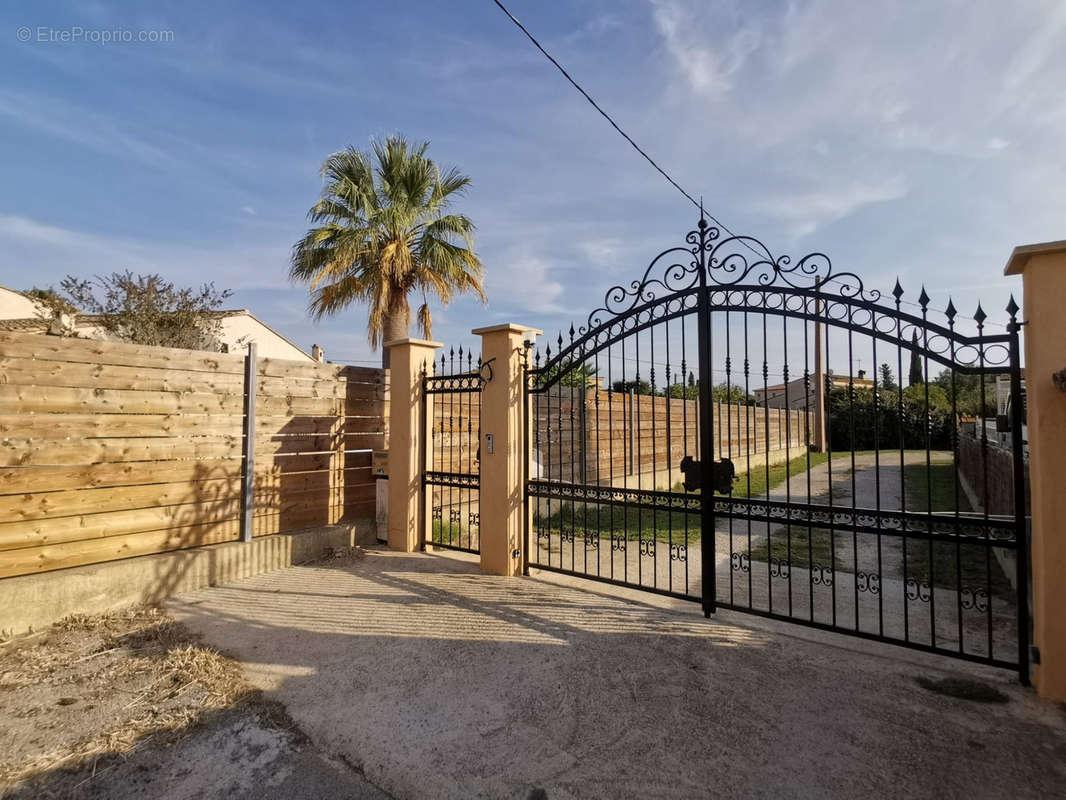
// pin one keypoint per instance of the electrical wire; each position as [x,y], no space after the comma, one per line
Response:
[637,147]
[605,115]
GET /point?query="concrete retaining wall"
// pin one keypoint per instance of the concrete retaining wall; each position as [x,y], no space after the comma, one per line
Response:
[31,602]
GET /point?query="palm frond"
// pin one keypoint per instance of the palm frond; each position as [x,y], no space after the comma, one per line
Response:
[425,321]
[379,231]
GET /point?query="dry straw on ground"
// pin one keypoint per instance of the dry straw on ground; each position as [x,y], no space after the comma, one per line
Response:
[93,689]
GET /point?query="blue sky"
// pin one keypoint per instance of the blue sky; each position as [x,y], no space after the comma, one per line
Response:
[922,140]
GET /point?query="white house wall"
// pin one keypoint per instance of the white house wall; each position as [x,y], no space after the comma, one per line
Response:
[15,305]
[239,329]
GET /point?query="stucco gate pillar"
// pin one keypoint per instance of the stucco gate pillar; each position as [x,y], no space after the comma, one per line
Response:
[410,418]
[502,494]
[1043,271]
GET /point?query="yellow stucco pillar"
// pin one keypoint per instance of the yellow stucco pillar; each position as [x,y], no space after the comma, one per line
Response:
[1043,271]
[502,522]
[410,415]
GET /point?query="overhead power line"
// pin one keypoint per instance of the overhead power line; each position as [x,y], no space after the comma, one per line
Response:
[628,138]
[604,114]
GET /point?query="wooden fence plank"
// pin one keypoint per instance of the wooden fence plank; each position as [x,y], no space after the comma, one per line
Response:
[93,551]
[91,351]
[48,425]
[33,452]
[19,480]
[52,505]
[88,401]
[27,372]
[287,387]
[37,532]
[283,368]
[70,502]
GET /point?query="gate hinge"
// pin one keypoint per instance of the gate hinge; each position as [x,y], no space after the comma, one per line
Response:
[1034,654]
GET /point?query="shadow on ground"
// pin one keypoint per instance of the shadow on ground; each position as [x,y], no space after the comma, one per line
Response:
[131,704]
[437,681]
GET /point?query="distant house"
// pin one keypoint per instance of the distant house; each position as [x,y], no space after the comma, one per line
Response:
[238,327]
[16,305]
[794,397]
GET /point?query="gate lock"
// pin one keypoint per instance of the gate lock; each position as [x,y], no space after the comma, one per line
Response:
[723,475]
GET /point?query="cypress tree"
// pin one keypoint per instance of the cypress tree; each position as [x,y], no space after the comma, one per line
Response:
[916,374]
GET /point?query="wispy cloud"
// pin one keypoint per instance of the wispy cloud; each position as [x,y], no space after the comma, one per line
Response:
[55,251]
[524,281]
[709,67]
[806,211]
[81,126]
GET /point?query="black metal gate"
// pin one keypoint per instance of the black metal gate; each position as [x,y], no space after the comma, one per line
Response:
[711,433]
[452,480]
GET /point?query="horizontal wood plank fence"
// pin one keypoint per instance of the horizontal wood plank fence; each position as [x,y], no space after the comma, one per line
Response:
[111,450]
[598,435]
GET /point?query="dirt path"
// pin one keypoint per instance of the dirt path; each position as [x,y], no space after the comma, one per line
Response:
[132,705]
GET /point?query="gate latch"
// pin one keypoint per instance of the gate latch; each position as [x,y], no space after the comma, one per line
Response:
[723,475]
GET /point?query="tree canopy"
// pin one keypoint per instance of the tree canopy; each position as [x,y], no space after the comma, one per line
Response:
[142,309]
[382,230]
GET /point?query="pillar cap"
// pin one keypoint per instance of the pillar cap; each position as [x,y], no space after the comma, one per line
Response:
[416,342]
[1021,254]
[510,327]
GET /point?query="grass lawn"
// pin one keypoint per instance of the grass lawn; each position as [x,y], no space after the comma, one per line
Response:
[935,483]
[664,525]
[627,521]
[759,480]
[447,532]
[806,546]
[979,566]
[921,484]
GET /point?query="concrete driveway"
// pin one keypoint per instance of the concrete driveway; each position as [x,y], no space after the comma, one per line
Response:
[439,682]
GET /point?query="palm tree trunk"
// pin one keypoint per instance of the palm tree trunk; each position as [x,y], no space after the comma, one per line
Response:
[396,326]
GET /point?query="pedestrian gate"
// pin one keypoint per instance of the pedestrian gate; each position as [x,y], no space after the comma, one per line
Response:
[452,481]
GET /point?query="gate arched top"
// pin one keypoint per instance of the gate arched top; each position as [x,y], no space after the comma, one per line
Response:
[739,273]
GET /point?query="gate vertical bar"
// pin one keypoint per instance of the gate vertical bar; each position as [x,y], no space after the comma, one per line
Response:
[707,536]
[248,451]
[527,459]
[1021,536]
[425,459]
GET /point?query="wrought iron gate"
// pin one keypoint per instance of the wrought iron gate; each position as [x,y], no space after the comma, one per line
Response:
[710,433]
[451,483]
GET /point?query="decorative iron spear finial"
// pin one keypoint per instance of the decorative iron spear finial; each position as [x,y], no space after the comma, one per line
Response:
[1012,308]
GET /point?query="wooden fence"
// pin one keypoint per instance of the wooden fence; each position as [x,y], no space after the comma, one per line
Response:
[110,450]
[596,436]
[593,436]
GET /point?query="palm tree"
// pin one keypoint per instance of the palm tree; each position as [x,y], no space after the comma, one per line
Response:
[382,231]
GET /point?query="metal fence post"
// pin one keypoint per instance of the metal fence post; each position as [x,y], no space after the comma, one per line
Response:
[248,449]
